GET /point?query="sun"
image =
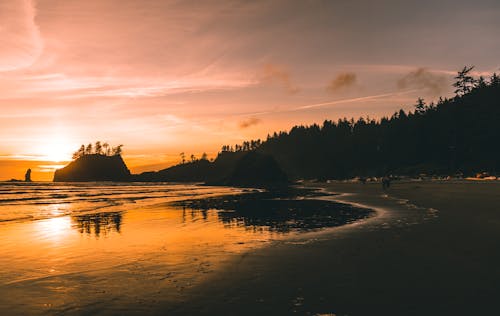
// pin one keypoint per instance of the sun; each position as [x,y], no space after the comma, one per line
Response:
[57,150]
[58,154]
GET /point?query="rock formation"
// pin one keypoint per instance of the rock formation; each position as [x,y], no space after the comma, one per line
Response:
[94,167]
[27,176]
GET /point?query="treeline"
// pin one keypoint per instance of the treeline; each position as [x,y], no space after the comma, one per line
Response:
[98,149]
[242,168]
[245,146]
[451,136]
[192,158]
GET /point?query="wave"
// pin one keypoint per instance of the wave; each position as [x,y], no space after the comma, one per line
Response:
[32,201]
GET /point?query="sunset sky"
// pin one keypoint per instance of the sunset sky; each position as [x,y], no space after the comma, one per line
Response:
[164,77]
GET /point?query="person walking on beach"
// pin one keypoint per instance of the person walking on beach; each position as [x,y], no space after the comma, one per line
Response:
[386,182]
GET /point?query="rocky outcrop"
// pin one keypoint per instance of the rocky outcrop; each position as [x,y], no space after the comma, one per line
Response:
[94,167]
[27,176]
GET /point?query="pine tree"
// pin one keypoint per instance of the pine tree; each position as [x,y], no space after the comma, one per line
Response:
[420,107]
[464,81]
[98,148]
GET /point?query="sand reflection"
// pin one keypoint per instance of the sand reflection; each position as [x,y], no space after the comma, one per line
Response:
[105,258]
[132,253]
[98,223]
[53,229]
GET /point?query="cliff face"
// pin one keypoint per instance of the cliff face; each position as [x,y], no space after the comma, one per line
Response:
[94,168]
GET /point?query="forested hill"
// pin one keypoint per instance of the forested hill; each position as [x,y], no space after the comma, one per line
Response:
[458,135]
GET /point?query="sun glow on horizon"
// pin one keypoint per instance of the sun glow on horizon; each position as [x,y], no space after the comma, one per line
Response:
[57,149]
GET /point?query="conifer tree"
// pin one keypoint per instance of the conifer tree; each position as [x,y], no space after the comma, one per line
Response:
[464,81]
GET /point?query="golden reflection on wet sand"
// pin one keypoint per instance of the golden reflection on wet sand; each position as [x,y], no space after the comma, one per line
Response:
[104,260]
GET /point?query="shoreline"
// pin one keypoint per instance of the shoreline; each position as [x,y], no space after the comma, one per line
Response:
[132,255]
[414,260]
[430,248]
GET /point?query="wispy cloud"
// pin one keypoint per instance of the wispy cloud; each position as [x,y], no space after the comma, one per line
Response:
[22,157]
[281,75]
[342,81]
[352,100]
[330,103]
[422,78]
[249,122]
[20,40]
[62,86]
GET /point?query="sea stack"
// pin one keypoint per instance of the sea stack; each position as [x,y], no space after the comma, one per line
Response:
[94,167]
[27,176]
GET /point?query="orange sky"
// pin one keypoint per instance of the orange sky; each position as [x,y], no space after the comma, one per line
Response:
[162,77]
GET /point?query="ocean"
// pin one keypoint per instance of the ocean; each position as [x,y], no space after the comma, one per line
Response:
[68,248]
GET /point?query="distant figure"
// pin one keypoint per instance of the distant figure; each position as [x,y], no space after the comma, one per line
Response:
[27,176]
[386,182]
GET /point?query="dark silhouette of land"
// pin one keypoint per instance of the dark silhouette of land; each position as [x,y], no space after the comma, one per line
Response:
[456,136]
[94,167]
[453,136]
[27,176]
[230,168]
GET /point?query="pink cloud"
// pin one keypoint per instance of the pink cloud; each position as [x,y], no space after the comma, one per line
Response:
[20,37]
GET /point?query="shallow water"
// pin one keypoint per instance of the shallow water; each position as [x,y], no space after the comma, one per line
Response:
[31,201]
[106,247]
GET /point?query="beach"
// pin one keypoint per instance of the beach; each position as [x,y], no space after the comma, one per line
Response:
[418,248]
[249,158]
[130,248]
[432,250]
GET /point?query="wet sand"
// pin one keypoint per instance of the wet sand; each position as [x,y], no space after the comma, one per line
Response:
[108,248]
[118,248]
[433,250]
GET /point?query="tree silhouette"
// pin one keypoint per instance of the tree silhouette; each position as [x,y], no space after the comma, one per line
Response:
[420,107]
[106,149]
[183,157]
[79,153]
[464,81]
[457,135]
[117,150]
[481,83]
[495,80]
[98,148]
